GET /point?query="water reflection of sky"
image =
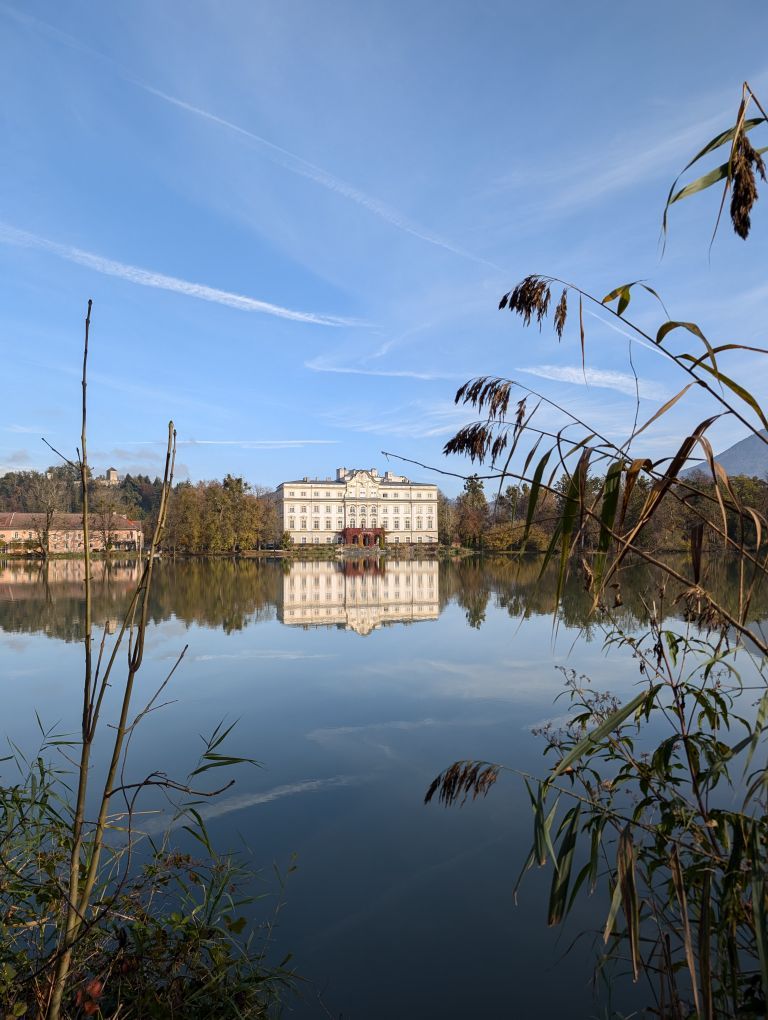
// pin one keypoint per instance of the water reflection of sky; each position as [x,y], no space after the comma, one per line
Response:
[396,910]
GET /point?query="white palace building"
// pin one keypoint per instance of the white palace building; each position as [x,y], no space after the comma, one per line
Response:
[359,507]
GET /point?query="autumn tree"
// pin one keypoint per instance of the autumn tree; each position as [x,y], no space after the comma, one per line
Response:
[46,497]
[447,532]
[472,513]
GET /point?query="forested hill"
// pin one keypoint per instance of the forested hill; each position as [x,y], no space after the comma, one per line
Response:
[748,457]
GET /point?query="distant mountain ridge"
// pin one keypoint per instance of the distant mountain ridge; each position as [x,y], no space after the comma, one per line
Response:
[747,457]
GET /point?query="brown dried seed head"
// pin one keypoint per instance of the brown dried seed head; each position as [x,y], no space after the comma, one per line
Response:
[529,298]
[745,161]
[473,440]
[561,313]
[462,779]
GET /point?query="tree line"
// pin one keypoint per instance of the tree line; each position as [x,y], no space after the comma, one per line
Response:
[504,522]
[228,516]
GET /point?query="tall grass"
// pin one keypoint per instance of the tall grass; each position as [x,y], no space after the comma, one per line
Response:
[99,917]
[661,802]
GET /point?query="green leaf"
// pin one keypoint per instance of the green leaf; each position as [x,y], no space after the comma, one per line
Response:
[612,911]
[533,495]
[759,725]
[599,733]
[623,294]
[721,139]
[706,180]
[562,874]
[714,143]
[759,906]
[692,328]
[542,826]
[610,504]
[571,513]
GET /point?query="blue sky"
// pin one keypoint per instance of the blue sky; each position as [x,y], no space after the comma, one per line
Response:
[296,219]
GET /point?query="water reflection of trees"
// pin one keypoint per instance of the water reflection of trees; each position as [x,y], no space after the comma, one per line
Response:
[519,586]
[227,594]
[230,594]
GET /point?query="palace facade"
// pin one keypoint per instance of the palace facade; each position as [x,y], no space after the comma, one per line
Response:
[359,507]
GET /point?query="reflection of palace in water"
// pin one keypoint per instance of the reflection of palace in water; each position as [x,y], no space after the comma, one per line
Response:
[360,595]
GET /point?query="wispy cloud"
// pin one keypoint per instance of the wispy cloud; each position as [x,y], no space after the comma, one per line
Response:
[417,420]
[150,278]
[34,430]
[260,444]
[325,734]
[607,379]
[619,164]
[321,365]
[266,653]
[226,805]
[298,165]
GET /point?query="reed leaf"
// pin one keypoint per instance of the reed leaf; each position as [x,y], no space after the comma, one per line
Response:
[714,143]
[561,876]
[757,862]
[678,881]
[599,733]
[663,409]
[623,293]
[533,495]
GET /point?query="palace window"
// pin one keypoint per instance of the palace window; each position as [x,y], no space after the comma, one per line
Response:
[418,524]
[316,525]
[292,523]
[418,495]
[328,524]
[407,524]
[303,509]
[304,523]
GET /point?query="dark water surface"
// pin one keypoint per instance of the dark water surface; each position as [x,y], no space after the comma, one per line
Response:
[354,686]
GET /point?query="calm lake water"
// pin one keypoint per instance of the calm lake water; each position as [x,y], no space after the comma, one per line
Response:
[354,685]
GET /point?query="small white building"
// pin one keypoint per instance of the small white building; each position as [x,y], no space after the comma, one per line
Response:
[358,507]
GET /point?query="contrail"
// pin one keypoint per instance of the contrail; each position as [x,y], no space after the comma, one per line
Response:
[283,157]
[149,278]
[297,165]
